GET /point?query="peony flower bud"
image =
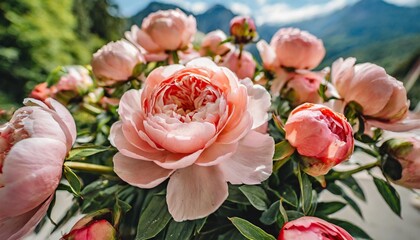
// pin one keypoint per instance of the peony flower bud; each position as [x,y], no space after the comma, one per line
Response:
[303,87]
[161,31]
[322,137]
[291,48]
[115,62]
[402,161]
[92,227]
[77,80]
[33,145]
[243,65]
[211,44]
[243,29]
[381,96]
[312,228]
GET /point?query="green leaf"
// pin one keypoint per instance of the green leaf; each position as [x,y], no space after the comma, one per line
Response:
[183,230]
[327,208]
[270,215]
[337,190]
[289,196]
[354,187]
[389,194]
[391,167]
[74,180]
[249,230]
[256,196]
[354,230]
[292,215]
[283,216]
[305,191]
[236,195]
[82,152]
[153,219]
[283,150]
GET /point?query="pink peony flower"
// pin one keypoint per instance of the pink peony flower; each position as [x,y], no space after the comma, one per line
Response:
[322,137]
[33,145]
[244,67]
[77,80]
[115,62]
[381,96]
[292,48]
[164,30]
[194,125]
[303,86]
[312,228]
[243,29]
[92,227]
[211,44]
[407,152]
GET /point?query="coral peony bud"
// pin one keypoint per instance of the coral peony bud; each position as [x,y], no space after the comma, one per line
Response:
[41,92]
[164,31]
[211,44]
[243,29]
[243,65]
[381,96]
[322,137]
[292,48]
[402,161]
[115,62]
[92,227]
[312,228]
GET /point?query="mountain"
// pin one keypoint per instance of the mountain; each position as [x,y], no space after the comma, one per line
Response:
[216,17]
[152,7]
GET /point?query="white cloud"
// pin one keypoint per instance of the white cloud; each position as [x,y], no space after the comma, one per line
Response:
[408,3]
[283,13]
[240,8]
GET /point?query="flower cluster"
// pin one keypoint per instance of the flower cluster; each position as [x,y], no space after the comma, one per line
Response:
[174,136]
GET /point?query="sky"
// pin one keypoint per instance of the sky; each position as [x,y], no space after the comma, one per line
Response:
[263,11]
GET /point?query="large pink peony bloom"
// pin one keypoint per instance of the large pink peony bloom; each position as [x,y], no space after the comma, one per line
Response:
[33,145]
[244,67]
[382,97]
[312,228]
[293,48]
[322,137]
[164,30]
[115,62]
[194,125]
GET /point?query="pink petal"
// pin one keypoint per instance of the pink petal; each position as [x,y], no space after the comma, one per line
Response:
[130,105]
[195,192]
[268,55]
[31,173]
[216,153]
[142,174]
[203,62]
[65,116]
[178,160]
[400,126]
[15,228]
[259,102]
[252,163]
[145,41]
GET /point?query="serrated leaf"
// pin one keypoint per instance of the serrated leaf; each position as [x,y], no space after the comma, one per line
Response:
[249,230]
[270,215]
[289,196]
[305,191]
[354,230]
[327,208]
[74,180]
[153,219]
[256,196]
[389,194]
[82,152]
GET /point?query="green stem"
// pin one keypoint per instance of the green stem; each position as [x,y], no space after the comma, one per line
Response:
[89,167]
[346,174]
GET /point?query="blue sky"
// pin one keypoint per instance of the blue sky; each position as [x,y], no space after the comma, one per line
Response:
[263,11]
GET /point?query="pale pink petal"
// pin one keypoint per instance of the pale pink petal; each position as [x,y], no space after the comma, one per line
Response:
[16,228]
[268,55]
[130,105]
[236,131]
[203,62]
[259,102]
[252,163]
[155,57]
[145,41]
[178,160]
[65,116]
[216,153]
[400,126]
[143,174]
[31,172]
[195,192]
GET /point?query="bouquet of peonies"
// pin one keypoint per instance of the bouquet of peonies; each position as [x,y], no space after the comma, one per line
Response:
[163,138]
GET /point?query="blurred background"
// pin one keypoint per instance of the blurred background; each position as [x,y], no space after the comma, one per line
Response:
[38,35]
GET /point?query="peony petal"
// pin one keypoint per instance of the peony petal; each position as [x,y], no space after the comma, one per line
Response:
[400,126]
[142,174]
[144,40]
[65,116]
[195,192]
[16,228]
[203,62]
[259,102]
[216,153]
[268,55]
[178,160]
[31,173]
[253,161]
[130,105]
